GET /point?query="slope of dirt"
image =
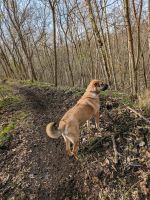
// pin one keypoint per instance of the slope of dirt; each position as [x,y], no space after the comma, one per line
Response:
[34,166]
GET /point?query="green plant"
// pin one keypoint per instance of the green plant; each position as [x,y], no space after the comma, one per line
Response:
[4,133]
[35,83]
[9,101]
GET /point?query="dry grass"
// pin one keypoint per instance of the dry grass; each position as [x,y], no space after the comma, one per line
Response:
[144,101]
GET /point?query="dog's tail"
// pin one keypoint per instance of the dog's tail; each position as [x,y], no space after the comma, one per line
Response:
[52,130]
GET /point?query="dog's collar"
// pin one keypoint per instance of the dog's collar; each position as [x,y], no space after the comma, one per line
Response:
[94,93]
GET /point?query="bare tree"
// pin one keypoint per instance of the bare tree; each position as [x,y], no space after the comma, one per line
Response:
[149,25]
[16,23]
[133,72]
[43,39]
[53,4]
[109,47]
[65,31]
[99,40]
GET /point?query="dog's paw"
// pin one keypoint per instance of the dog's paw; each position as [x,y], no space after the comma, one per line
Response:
[76,157]
[69,153]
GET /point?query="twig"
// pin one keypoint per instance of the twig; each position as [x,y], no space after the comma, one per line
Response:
[103,138]
[135,184]
[138,114]
[115,149]
[99,140]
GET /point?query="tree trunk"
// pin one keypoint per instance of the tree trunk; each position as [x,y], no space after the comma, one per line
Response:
[99,40]
[109,47]
[133,72]
[53,9]
[149,26]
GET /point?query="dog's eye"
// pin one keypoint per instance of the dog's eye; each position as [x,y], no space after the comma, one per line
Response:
[97,84]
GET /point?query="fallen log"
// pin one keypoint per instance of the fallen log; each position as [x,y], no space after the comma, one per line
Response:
[138,114]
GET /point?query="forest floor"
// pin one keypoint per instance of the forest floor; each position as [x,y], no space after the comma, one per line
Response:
[33,166]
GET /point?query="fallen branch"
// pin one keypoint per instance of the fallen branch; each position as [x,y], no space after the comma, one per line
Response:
[115,149]
[138,114]
[98,142]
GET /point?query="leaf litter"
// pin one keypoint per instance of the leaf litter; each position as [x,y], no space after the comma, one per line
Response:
[34,166]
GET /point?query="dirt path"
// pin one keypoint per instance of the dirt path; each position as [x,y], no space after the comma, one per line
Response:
[35,167]
[57,175]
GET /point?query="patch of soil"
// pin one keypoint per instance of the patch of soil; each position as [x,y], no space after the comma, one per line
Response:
[34,166]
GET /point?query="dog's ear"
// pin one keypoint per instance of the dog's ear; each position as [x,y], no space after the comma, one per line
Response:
[96,84]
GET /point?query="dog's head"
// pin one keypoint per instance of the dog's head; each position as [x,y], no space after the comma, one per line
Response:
[96,86]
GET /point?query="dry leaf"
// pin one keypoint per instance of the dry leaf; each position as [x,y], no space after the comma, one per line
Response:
[144,188]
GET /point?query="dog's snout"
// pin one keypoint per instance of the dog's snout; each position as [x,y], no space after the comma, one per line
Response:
[104,86]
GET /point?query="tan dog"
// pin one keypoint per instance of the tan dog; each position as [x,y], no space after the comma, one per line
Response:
[86,108]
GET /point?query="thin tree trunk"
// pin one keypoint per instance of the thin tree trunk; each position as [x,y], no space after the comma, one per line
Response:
[93,74]
[109,47]
[16,25]
[133,72]
[99,40]
[149,26]
[67,47]
[144,70]
[53,9]
[5,59]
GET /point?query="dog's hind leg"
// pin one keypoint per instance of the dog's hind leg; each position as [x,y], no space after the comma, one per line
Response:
[68,151]
[75,149]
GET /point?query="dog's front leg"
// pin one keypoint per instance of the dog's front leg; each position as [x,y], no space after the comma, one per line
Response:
[97,120]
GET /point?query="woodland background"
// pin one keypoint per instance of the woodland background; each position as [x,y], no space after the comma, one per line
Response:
[48,43]
[69,42]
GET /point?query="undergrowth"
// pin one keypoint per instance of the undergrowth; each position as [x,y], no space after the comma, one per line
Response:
[18,118]
[144,101]
[123,98]
[4,133]
[7,96]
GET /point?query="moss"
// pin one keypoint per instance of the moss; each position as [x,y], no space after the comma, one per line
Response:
[17,119]
[66,89]
[10,101]
[7,96]
[4,133]
[36,84]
